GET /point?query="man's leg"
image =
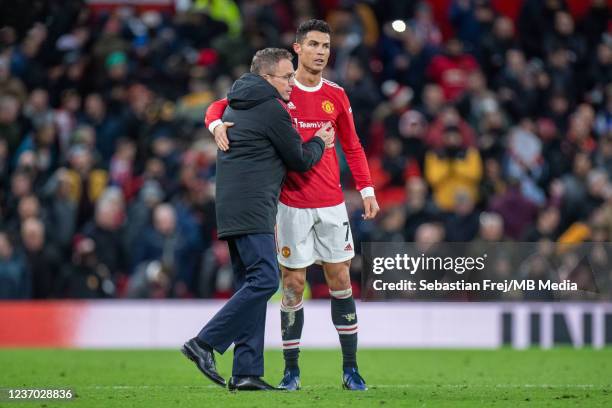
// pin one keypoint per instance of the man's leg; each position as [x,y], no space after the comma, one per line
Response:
[292,315]
[343,311]
[248,349]
[242,312]
[258,253]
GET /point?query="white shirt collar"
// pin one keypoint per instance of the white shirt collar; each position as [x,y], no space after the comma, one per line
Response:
[309,88]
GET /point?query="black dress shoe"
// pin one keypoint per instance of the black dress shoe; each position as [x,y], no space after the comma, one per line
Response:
[250,383]
[204,360]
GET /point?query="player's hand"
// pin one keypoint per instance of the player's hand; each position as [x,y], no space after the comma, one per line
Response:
[371,208]
[327,133]
[220,134]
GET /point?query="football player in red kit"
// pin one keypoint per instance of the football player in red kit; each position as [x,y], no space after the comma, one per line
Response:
[312,221]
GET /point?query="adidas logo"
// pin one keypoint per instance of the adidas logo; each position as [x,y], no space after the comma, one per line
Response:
[348,247]
[290,105]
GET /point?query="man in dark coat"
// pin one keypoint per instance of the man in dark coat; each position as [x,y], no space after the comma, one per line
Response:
[249,178]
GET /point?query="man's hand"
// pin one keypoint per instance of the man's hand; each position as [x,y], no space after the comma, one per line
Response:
[371,208]
[220,134]
[326,133]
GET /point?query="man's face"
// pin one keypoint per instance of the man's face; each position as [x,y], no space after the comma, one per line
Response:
[454,47]
[452,138]
[282,78]
[313,51]
[33,235]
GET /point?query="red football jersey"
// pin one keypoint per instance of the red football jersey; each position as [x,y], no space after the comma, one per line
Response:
[310,108]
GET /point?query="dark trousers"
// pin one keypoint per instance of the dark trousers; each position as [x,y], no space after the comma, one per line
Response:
[242,319]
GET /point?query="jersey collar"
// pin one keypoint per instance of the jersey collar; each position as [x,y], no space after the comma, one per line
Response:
[309,88]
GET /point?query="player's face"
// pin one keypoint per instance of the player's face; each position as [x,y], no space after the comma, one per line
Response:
[313,51]
[282,78]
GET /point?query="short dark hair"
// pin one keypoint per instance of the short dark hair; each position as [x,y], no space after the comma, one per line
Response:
[311,25]
[266,59]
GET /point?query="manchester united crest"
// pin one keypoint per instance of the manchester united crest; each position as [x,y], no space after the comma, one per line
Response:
[286,252]
[327,106]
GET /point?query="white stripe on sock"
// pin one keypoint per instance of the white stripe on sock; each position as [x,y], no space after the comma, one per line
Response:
[346,327]
[291,344]
[295,308]
[343,333]
[341,294]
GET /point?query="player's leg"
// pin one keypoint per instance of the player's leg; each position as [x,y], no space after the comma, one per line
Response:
[292,322]
[344,317]
[334,247]
[295,241]
[343,310]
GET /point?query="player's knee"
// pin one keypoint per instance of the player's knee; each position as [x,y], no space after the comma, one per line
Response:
[342,282]
[338,276]
[293,290]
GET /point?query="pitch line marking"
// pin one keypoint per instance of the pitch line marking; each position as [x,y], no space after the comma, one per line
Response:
[137,387]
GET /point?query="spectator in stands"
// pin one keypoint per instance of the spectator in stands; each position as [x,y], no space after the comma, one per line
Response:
[11,129]
[564,36]
[449,117]
[472,19]
[453,169]
[66,118]
[535,21]
[364,97]
[603,155]
[11,86]
[419,208]
[424,25]
[60,210]
[174,244]
[493,183]
[21,186]
[546,226]
[432,101]
[491,227]
[27,207]
[140,210]
[391,228]
[524,161]
[85,277]
[86,182]
[43,262]
[517,211]
[108,128]
[414,57]
[106,230]
[451,69]
[14,280]
[575,189]
[477,100]
[42,148]
[495,46]
[461,225]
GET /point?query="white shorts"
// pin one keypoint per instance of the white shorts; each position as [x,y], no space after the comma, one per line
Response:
[305,236]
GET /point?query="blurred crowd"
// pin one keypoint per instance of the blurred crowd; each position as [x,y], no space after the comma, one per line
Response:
[478,126]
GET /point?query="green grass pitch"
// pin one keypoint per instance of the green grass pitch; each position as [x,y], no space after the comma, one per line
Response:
[411,378]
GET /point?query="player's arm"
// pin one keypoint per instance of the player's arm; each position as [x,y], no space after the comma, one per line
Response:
[296,155]
[215,125]
[356,159]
